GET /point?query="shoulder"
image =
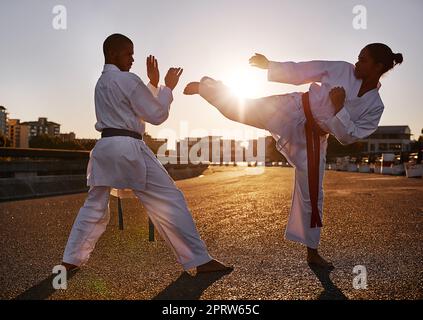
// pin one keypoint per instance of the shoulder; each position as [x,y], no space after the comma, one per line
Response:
[379,103]
[129,78]
[375,108]
[127,81]
[132,76]
[331,68]
[339,71]
[342,66]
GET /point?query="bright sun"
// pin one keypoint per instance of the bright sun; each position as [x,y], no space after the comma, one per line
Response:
[245,82]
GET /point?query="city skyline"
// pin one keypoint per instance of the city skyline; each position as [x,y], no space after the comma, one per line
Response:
[386,139]
[57,69]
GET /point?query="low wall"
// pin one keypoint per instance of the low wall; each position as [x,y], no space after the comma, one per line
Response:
[31,173]
[42,186]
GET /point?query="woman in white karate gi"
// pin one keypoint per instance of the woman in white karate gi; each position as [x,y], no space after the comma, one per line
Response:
[121,159]
[346,104]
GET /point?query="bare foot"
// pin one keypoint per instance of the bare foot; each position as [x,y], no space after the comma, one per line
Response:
[214,266]
[192,88]
[69,267]
[315,259]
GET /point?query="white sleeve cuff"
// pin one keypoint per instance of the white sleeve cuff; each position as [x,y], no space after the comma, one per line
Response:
[165,91]
[273,70]
[205,84]
[344,116]
[153,89]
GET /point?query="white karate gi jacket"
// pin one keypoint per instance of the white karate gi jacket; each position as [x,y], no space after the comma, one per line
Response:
[123,101]
[358,118]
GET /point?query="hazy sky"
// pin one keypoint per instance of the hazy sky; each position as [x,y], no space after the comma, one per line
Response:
[51,73]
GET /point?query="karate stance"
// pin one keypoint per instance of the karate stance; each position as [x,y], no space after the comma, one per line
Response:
[346,104]
[121,159]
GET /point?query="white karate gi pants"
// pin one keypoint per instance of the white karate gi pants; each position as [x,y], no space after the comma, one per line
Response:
[284,117]
[165,205]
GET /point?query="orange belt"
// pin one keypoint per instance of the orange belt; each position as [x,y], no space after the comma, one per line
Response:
[313,133]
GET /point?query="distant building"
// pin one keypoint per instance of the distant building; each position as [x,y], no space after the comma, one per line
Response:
[154,143]
[18,133]
[88,144]
[84,140]
[67,137]
[215,149]
[267,152]
[209,148]
[3,120]
[42,126]
[71,137]
[388,139]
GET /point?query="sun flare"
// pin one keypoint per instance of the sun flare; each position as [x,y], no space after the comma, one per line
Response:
[245,82]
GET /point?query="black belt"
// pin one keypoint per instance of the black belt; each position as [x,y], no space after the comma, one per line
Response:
[112,132]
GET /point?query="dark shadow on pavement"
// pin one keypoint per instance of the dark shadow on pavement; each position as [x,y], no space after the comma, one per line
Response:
[330,292]
[188,287]
[43,289]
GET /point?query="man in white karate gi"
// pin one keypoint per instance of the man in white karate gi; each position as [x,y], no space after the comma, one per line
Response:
[121,159]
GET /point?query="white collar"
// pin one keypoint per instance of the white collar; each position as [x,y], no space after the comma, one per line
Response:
[110,67]
[373,91]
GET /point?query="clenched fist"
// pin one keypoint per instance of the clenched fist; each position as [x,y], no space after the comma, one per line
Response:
[259,61]
[337,96]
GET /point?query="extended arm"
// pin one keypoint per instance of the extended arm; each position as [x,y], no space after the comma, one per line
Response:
[296,73]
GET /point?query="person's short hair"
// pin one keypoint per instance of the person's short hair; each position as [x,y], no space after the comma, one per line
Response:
[115,42]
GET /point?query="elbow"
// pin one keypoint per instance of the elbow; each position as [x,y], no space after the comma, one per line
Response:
[345,142]
[348,140]
[160,117]
[352,138]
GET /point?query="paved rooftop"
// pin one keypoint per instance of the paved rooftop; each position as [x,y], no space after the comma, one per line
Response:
[370,220]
